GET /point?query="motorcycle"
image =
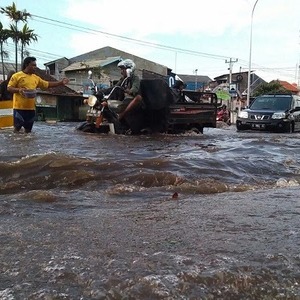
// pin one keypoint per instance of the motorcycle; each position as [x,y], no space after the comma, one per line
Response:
[102,114]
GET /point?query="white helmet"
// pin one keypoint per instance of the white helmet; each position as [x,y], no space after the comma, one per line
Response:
[127,64]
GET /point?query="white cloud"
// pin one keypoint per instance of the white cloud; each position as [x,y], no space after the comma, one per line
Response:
[156,16]
[215,27]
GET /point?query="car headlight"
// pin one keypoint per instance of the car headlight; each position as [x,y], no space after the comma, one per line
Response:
[243,114]
[279,115]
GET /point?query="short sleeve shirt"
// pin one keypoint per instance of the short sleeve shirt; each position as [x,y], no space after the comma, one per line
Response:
[28,81]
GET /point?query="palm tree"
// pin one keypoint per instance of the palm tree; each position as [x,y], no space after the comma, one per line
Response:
[26,36]
[4,35]
[15,16]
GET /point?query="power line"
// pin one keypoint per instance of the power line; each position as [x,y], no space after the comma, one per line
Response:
[37,53]
[44,55]
[141,42]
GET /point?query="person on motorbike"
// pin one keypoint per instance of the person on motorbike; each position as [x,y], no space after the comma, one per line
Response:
[223,114]
[178,88]
[132,99]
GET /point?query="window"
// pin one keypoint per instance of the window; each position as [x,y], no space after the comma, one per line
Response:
[272,103]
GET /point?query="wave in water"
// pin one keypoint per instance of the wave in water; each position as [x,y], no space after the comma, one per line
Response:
[52,171]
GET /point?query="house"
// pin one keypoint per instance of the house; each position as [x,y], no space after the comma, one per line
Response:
[239,82]
[290,87]
[195,82]
[103,63]
[54,68]
[57,103]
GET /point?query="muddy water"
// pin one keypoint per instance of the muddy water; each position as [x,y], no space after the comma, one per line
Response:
[212,216]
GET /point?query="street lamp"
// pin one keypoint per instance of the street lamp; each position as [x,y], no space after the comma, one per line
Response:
[250,57]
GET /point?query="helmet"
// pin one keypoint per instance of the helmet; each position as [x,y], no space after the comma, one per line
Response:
[179,84]
[127,64]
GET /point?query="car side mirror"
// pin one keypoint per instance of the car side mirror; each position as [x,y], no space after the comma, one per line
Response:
[297,108]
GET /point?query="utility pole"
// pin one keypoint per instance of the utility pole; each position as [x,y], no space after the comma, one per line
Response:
[250,57]
[230,62]
[231,108]
[196,70]
[298,68]
[298,76]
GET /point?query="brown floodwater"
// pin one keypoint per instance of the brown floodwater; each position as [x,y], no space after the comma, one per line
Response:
[87,216]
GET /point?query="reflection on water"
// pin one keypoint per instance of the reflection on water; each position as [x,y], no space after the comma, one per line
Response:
[88,216]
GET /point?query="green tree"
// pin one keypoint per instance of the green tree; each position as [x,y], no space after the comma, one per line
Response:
[26,37]
[15,16]
[272,87]
[4,35]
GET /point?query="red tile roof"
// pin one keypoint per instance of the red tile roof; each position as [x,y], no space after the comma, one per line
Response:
[288,86]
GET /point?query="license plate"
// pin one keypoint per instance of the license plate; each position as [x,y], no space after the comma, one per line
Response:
[258,126]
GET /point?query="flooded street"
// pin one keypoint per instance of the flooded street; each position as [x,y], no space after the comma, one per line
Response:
[86,216]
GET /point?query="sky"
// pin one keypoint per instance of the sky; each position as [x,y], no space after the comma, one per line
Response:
[192,37]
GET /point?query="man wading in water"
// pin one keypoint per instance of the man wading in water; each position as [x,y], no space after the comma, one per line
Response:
[24,105]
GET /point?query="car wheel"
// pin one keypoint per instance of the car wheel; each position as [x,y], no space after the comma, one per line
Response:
[198,129]
[289,128]
[240,127]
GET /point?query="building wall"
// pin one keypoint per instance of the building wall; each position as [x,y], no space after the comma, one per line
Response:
[78,78]
[55,67]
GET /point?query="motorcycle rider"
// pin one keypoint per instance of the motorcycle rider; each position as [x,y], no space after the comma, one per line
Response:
[223,114]
[132,96]
[178,88]
[132,99]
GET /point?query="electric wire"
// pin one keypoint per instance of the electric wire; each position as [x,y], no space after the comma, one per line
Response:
[47,55]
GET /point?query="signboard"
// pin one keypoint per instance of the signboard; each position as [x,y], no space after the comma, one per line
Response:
[171,81]
[232,87]
[223,95]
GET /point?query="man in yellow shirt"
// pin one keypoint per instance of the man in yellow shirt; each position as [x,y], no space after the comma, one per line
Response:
[24,106]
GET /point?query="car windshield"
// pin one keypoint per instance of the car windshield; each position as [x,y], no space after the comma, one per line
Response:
[272,103]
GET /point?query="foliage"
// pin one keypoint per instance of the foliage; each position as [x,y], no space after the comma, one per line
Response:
[4,36]
[17,36]
[27,36]
[270,88]
[14,14]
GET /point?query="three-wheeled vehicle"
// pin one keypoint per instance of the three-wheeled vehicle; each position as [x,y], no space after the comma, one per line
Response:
[163,111]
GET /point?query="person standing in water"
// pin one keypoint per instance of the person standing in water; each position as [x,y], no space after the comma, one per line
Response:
[4,93]
[24,106]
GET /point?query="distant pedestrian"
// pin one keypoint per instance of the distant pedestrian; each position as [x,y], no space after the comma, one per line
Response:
[24,103]
[4,93]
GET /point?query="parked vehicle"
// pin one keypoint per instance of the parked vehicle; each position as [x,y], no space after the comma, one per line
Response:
[273,112]
[162,111]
